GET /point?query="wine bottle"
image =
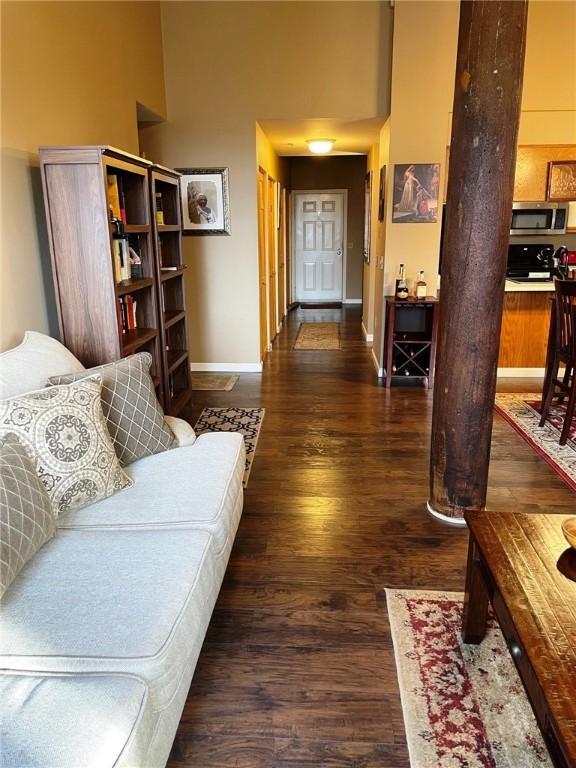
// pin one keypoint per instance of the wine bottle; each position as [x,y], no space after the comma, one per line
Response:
[401,285]
[421,287]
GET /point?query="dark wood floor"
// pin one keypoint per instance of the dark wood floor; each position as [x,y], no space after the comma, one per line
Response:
[297,668]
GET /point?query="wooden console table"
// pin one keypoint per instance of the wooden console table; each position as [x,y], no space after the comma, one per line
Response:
[524,567]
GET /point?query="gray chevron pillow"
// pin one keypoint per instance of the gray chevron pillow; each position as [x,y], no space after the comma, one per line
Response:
[26,517]
[133,414]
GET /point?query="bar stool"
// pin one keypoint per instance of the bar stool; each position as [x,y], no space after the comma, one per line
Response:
[563,350]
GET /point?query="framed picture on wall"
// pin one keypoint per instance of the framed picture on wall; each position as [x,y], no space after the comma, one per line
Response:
[205,201]
[562,180]
[416,193]
[381,193]
[367,215]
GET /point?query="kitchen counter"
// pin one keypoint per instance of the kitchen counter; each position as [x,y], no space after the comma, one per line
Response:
[529,287]
[525,324]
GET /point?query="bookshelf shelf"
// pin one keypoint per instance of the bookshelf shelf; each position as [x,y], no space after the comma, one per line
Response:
[133,286]
[134,229]
[173,316]
[139,337]
[170,275]
[169,228]
[175,357]
[180,398]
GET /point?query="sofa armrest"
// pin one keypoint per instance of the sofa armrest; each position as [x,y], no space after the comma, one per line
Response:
[183,432]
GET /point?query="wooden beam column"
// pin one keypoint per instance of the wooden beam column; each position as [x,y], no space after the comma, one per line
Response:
[486,115]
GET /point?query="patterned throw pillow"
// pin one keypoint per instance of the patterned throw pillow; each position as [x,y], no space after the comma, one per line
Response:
[133,414]
[26,516]
[64,430]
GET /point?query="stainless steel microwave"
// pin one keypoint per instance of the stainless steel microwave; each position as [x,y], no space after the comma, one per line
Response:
[539,218]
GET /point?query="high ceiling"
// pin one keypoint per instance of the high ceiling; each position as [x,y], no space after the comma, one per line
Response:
[288,137]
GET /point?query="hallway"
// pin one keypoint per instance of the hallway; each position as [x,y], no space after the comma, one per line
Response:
[297,668]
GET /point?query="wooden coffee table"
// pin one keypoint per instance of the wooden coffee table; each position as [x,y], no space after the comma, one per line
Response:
[524,567]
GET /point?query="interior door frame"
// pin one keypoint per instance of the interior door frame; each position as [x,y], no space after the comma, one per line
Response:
[265,344]
[293,213]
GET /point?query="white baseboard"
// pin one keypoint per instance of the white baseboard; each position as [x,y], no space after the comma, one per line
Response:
[380,371]
[226,367]
[368,337]
[521,373]
[351,301]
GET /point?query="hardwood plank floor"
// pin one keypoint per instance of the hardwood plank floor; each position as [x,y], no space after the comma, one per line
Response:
[298,669]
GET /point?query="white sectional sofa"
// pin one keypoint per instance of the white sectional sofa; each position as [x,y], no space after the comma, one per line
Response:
[101,631]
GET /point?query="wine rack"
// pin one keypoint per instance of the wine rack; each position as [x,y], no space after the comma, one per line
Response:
[410,340]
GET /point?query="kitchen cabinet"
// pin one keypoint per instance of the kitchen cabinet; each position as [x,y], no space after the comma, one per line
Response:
[525,323]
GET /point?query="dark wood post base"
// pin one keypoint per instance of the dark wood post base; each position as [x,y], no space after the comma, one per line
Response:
[476,599]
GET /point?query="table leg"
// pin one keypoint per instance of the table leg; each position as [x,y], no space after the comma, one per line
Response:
[475,615]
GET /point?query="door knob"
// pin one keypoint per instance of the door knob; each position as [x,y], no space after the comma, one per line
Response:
[339,252]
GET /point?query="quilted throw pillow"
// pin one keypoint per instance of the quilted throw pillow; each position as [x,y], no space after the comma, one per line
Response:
[133,414]
[26,517]
[64,430]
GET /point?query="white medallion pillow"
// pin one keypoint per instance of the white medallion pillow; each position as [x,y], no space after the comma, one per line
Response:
[64,430]
[26,517]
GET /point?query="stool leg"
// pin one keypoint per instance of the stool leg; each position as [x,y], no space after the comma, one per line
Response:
[549,389]
[565,381]
[569,413]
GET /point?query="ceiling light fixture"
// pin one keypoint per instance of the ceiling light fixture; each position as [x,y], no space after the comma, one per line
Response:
[320,146]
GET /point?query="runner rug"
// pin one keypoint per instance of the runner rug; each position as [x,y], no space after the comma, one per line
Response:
[318,336]
[522,413]
[214,381]
[247,421]
[464,706]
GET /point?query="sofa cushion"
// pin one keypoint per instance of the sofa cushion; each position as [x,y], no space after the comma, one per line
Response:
[182,431]
[29,365]
[85,721]
[135,602]
[64,430]
[197,485]
[26,516]
[133,414]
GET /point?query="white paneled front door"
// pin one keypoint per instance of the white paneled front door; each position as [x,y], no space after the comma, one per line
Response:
[318,246]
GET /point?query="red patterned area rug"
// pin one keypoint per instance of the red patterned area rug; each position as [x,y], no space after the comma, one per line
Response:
[522,413]
[464,706]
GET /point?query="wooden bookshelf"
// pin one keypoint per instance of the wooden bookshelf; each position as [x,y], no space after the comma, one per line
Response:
[82,232]
[165,195]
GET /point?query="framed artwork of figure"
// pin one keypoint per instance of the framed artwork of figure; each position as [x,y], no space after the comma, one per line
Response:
[204,195]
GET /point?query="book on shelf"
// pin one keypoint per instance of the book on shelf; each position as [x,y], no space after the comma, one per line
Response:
[121,255]
[116,199]
[126,307]
[159,209]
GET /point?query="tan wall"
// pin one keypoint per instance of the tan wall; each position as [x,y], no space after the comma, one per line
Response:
[339,173]
[531,180]
[70,75]
[267,159]
[228,65]
[422,95]
[422,86]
